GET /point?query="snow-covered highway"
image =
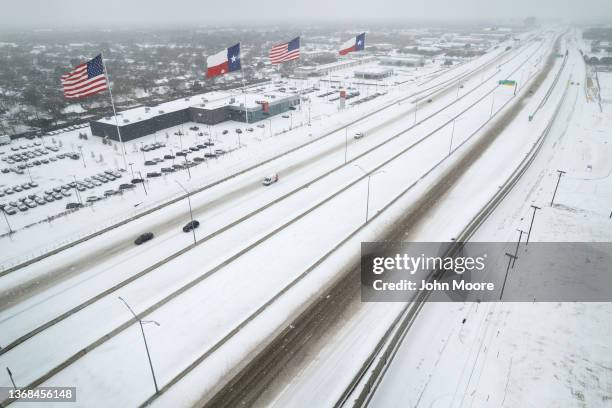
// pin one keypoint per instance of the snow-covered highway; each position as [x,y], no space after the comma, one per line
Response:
[215,280]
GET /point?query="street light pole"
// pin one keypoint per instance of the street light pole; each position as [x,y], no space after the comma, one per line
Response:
[29,173]
[187,166]
[450,146]
[345,143]
[142,182]
[82,157]
[7,221]
[368,192]
[144,338]
[190,211]
[76,190]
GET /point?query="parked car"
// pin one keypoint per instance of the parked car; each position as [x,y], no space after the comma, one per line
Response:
[10,210]
[70,206]
[191,225]
[92,199]
[149,163]
[270,179]
[219,151]
[224,132]
[238,131]
[147,236]
[359,135]
[136,181]
[126,186]
[153,174]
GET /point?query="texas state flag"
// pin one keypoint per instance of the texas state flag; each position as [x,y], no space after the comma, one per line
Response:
[223,62]
[354,44]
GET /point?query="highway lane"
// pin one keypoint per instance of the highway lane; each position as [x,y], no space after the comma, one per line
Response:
[61,267]
[116,263]
[420,154]
[323,366]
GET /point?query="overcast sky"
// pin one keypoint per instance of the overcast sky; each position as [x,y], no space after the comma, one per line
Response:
[64,13]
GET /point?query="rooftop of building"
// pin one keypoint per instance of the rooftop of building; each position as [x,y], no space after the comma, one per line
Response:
[209,100]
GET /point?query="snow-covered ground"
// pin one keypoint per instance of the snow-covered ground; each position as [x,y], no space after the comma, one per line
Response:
[277,135]
[236,272]
[550,354]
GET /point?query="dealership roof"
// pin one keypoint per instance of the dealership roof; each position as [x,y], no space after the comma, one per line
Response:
[209,100]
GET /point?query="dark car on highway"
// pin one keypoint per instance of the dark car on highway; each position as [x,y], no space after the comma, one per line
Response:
[147,236]
[191,225]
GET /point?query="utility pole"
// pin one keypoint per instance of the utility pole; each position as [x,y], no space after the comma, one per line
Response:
[561,173]
[492,102]
[190,211]
[535,208]
[144,338]
[510,260]
[521,232]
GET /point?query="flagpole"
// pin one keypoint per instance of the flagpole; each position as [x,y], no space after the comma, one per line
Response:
[246,111]
[110,92]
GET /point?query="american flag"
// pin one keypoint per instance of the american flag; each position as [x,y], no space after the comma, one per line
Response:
[85,80]
[284,52]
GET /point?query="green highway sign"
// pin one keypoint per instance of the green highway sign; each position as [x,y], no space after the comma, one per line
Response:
[507,82]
